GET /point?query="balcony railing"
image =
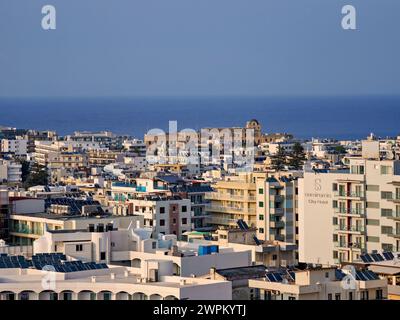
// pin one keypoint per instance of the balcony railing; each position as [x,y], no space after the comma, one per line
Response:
[223,221]
[227,196]
[277,224]
[26,230]
[350,228]
[277,211]
[353,211]
[345,245]
[350,194]
[276,197]
[231,209]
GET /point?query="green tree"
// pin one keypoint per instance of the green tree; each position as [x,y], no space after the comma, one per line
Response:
[278,161]
[340,150]
[37,176]
[297,157]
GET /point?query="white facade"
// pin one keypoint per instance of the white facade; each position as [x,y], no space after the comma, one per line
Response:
[114,283]
[343,214]
[134,246]
[17,146]
[10,171]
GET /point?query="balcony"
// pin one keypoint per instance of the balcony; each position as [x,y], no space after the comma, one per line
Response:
[223,221]
[350,229]
[347,246]
[228,197]
[275,198]
[277,224]
[350,194]
[352,212]
[226,209]
[394,216]
[395,199]
[279,212]
[394,234]
[25,230]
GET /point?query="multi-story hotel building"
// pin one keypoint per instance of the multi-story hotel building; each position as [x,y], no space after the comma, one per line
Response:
[344,213]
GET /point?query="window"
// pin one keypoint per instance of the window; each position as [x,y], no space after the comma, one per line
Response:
[357,169]
[335,187]
[174,221]
[102,255]
[371,187]
[386,195]
[162,222]
[387,230]
[337,296]
[326,274]
[184,220]
[386,170]
[274,257]
[261,230]
[162,209]
[154,245]
[386,212]
[350,295]
[261,217]
[261,204]
[184,208]
[379,294]
[261,191]
[79,248]
[329,296]
[364,295]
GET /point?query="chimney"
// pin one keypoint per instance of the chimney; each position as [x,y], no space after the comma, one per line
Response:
[112,275]
[93,278]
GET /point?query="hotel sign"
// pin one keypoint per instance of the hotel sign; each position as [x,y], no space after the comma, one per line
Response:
[317,197]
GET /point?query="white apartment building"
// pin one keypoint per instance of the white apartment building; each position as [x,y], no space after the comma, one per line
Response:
[151,282]
[10,171]
[345,213]
[18,146]
[134,247]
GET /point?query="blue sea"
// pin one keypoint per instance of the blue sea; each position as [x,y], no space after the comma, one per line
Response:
[305,117]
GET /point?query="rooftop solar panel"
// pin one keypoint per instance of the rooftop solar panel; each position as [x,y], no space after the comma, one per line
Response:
[388,255]
[369,258]
[364,259]
[375,257]
[270,277]
[278,277]
[361,276]
[339,274]
[380,257]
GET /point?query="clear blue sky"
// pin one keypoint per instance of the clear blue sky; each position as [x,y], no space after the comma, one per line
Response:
[199,47]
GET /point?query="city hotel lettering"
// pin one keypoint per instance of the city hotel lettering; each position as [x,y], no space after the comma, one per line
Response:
[318,197]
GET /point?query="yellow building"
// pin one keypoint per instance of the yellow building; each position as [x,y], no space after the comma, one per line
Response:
[234,198]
